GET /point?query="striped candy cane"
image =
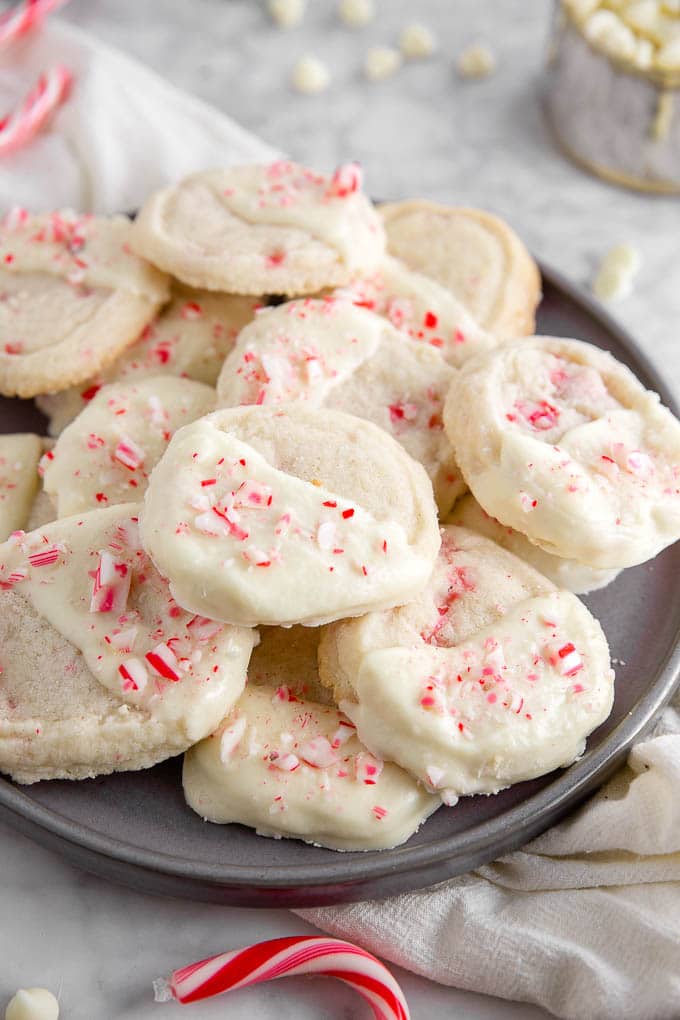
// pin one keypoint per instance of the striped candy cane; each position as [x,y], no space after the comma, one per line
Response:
[24,17]
[48,93]
[288,957]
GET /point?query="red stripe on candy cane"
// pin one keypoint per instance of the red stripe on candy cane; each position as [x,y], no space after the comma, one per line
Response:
[18,128]
[24,17]
[307,954]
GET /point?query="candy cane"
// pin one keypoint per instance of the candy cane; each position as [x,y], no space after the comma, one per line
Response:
[24,17]
[288,957]
[49,92]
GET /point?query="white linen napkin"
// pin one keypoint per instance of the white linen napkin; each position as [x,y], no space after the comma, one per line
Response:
[123,132]
[585,920]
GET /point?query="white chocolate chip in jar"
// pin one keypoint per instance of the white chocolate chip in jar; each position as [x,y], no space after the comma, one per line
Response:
[279,228]
[561,442]
[107,453]
[329,352]
[102,670]
[489,678]
[288,515]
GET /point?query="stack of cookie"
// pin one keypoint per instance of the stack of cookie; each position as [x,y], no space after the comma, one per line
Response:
[252,539]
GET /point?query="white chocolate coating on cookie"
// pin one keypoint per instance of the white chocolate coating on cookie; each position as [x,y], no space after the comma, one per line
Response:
[101,670]
[105,456]
[490,678]
[421,307]
[560,441]
[569,574]
[75,297]
[328,352]
[270,229]
[474,254]
[280,516]
[190,337]
[288,763]
[19,455]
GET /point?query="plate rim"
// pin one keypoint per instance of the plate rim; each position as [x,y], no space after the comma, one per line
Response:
[521,822]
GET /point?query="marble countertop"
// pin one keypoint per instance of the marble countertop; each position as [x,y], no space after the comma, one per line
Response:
[424,132]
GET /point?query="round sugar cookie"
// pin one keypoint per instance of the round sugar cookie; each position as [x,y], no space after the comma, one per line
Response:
[561,442]
[490,677]
[262,229]
[474,254]
[190,337]
[74,296]
[569,574]
[328,352]
[101,669]
[288,515]
[105,456]
[288,763]
[420,307]
[19,456]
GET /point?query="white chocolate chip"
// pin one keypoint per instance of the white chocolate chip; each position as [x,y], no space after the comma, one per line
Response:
[32,1004]
[286,13]
[643,15]
[381,62]
[607,31]
[417,41]
[668,57]
[310,76]
[477,61]
[581,9]
[356,13]
[617,270]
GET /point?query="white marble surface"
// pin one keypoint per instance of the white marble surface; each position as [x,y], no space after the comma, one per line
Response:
[421,133]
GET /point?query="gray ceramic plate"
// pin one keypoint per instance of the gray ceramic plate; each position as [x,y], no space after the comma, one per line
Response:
[135,827]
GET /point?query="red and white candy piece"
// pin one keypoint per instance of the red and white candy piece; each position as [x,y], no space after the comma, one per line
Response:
[288,957]
[18,128]
[24,17]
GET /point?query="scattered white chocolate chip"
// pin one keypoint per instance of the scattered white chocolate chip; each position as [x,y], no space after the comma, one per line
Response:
[615,276]
[32,1004]
[356,12]
[310,76]
[286,13]
[381,62]
[477,61]
[417,41]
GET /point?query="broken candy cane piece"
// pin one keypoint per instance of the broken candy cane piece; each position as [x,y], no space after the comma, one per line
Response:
[288,957]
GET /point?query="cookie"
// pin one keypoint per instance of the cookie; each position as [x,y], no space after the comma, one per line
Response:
[472,253]
[190,337]
[263,229]
[289,515]
[328,352]
[420,307]
[106,454]
[561,442]
[19,456]
[101,670]
[74,296]
[289,764]
[569,574]
[492,676]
